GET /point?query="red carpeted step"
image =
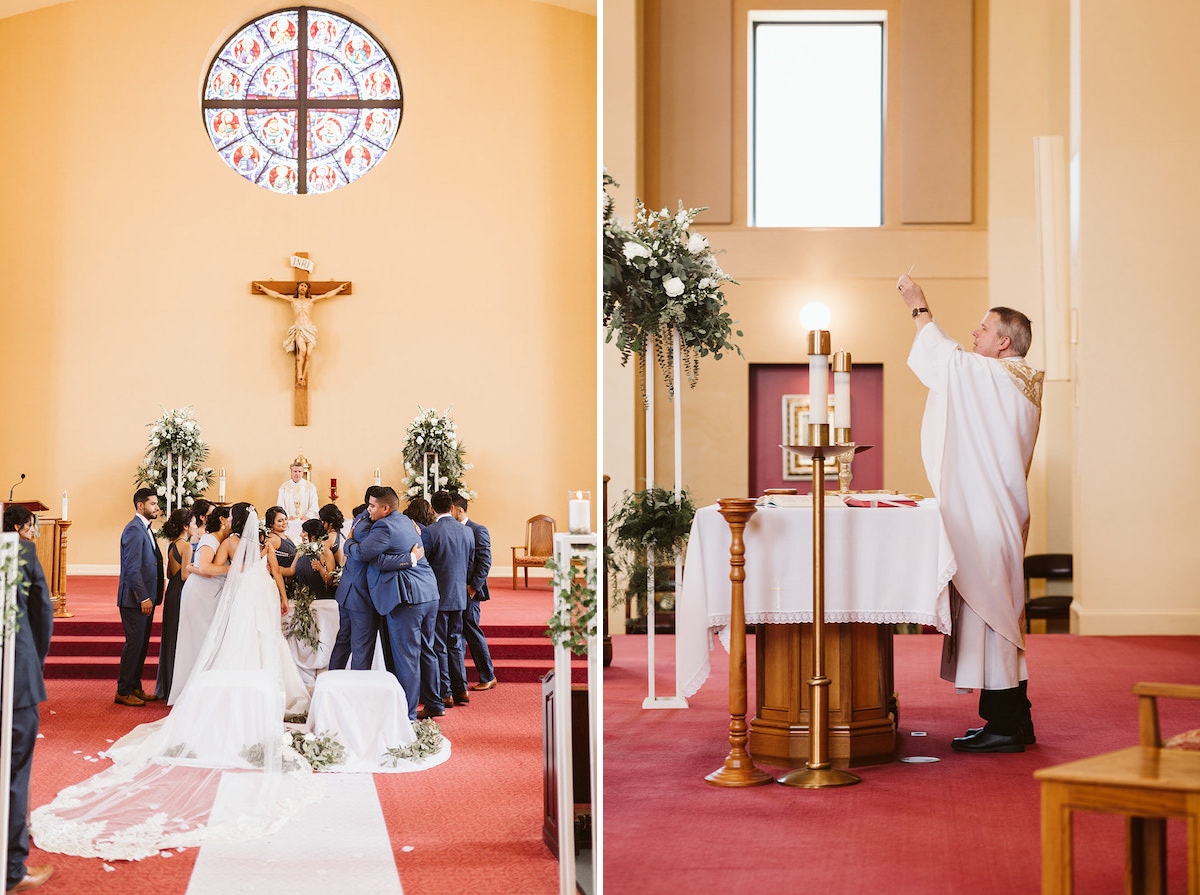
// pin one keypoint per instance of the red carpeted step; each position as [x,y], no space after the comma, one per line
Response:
[93,667]
[107,645]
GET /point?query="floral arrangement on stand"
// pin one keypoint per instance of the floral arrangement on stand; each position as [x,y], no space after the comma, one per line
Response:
[658,277]
[175,435]
[430,433]
[650,518]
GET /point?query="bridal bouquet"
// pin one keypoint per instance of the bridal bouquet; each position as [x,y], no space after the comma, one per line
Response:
[175,436]
[658,277]
[430,433]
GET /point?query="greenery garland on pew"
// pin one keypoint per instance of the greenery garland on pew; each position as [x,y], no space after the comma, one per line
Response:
[579,596]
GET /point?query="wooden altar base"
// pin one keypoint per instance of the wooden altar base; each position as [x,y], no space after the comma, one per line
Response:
[862,701]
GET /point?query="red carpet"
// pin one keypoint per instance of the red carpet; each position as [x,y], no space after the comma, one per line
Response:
[474,824]
[965,824]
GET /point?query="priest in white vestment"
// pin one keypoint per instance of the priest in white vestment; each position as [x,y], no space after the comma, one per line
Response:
[981,422]
[298,496]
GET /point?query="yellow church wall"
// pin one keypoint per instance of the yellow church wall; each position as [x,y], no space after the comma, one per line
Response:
[1136,113]
[130,247]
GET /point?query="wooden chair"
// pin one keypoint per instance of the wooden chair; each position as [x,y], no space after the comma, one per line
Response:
[1052,567]
[1147,783]
[539,546]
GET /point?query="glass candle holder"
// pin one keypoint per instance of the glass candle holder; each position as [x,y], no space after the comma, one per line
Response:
[579,512]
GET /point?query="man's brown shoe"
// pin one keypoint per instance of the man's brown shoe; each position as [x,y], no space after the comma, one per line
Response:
[484,685]
[144,696]
[462,698]
[34,877]
[128,700]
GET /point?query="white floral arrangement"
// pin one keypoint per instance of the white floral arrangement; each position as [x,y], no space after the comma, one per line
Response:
[428,433]
[660,277]
[175,434]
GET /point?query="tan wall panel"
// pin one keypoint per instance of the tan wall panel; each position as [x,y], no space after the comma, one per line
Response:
[693,157]
[936,111]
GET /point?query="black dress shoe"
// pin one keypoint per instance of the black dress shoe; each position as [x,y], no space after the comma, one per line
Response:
[988,742]
[1027,735]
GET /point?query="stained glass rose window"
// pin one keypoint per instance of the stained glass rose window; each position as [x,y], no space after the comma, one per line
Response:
[302,100]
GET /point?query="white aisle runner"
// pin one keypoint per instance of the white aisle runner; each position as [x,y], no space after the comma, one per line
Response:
[340,840]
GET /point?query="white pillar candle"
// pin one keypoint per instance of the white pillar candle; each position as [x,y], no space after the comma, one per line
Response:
[221,486]
[841,400]
[64,512]
[841,390]
[579,512]
[818,389]
[378,477]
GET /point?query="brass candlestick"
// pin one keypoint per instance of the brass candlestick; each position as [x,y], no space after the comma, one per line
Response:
[739,768]
[819,772]
[841,434]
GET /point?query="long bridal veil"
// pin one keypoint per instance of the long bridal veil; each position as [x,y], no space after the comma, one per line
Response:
[220,766]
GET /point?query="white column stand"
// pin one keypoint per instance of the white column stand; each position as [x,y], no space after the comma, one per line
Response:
[566,547]
[676,701]
[9,550]
[170,476]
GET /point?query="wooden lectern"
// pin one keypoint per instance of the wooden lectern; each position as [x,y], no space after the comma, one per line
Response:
[51,547]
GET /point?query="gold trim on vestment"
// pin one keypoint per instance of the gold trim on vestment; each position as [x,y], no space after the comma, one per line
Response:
[1027,379]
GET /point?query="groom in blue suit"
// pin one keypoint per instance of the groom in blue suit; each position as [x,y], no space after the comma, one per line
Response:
[351,588]
[451,551]
[139,590]
[401,592]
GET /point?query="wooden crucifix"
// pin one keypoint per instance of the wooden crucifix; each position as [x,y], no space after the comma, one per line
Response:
[302,334]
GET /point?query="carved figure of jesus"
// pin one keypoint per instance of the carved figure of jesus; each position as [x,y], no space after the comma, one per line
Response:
[302,334]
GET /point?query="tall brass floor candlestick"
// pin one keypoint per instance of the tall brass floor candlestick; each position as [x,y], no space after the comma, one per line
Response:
[819,772]
[739,768]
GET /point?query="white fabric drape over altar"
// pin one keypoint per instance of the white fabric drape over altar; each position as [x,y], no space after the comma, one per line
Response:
[882,566]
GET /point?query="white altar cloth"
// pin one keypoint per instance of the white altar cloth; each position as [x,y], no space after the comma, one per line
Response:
[882,566]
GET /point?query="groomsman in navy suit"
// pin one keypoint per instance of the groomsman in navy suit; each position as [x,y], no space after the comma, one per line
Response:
[477,592]
[30,646]
[139,590]
[401,589]
[353,581]
[451,551]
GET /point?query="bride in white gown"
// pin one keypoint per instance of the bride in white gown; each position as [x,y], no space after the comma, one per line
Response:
[229,716]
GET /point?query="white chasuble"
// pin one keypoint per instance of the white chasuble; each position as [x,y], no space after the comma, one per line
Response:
[977,437]
[299,499]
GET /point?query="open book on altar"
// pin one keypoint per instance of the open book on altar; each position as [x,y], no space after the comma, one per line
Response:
[854,499]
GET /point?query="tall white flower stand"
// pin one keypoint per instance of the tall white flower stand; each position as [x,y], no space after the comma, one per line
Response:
[569,547]
[653,701]
[9,576]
